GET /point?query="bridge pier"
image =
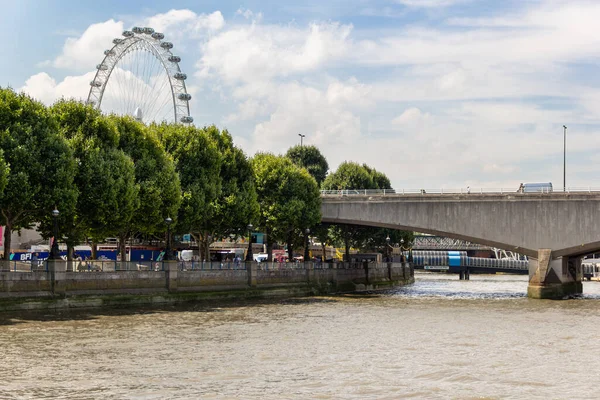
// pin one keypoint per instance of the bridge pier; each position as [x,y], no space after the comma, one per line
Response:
[557,278]
[464,274]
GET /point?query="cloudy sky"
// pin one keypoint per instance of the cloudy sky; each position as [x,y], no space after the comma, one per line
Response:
[435,93]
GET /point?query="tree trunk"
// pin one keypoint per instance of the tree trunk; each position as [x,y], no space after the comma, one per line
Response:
[323,248]
[208,242]
[94,247]
[201,256]
[269,246]
[123,247]
[7,233]
[70,249]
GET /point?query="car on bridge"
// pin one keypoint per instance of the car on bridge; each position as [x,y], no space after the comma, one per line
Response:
[544,187]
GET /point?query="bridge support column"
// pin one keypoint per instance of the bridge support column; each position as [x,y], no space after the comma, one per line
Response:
[554,278]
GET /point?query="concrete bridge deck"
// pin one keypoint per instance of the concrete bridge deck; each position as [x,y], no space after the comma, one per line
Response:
[554,229]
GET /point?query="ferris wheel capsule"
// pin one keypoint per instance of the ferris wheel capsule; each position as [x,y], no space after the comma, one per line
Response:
[108,52]
[184,96]
[148,31]
[128,33]
[102,67]
[117,40]
[95,84]
[180,76]
[187,120]
[174,59]
[137,29]
[166,45]
[158,36]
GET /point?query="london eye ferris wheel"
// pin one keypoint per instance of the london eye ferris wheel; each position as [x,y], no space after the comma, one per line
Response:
[140,76]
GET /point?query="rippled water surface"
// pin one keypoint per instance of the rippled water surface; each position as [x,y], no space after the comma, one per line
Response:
[439,338]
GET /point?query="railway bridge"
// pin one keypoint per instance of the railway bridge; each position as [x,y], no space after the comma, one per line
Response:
[555,230]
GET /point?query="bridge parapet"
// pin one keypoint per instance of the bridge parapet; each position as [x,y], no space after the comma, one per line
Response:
[447,191]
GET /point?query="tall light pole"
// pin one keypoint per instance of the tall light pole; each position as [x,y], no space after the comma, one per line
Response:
[249,255]
[306,255]
[54,251]
[565,159]
[167,256]
[402,249]
[387,248]
[301,137]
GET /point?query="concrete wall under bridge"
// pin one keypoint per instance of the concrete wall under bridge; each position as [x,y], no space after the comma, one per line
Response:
[554,229]
[55,287]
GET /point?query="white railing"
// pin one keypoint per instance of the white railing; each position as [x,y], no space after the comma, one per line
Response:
[400,192]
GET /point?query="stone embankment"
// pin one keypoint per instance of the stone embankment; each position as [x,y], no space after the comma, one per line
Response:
[56,288]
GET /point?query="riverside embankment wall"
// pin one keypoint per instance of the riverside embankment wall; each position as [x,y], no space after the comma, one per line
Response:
[55,287]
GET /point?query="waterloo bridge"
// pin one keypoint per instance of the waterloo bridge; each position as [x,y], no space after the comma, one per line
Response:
[555,230]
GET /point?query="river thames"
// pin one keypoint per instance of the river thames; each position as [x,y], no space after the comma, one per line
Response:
[439,338]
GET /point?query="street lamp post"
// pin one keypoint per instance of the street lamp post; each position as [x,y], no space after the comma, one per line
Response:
[387,248]
[54,251]
[402,248]
[249,255]
[168,255]
[306,255]
[301,137]
[564,158]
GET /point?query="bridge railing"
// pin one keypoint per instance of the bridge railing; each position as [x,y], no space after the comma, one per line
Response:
[400,192]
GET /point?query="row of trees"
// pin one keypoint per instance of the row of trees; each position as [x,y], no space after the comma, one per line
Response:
[111,176]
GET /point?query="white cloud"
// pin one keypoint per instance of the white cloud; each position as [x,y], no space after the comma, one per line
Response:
[44,88]
[184,22]
[85,52]
[411,116]
[247,53]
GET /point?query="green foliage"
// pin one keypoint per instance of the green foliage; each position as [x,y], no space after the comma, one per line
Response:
[198,162]
[309,157]
[289,198]
[90,135]
[350,175]
[84,126]
[41,164]
[111,196]
[237,203]
[159,194]
[380,180]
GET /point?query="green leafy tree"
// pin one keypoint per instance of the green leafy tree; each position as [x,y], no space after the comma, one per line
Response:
[198,162]
[93,139]
[109,204]
[42,166]
[157,181]
[289,199]
[353,176]
[309,157]
[350,175]
[236,205]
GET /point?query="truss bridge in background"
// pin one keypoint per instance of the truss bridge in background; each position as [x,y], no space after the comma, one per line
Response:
[426,242]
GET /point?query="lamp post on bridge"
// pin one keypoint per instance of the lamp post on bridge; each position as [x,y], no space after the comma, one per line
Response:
[564,158]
